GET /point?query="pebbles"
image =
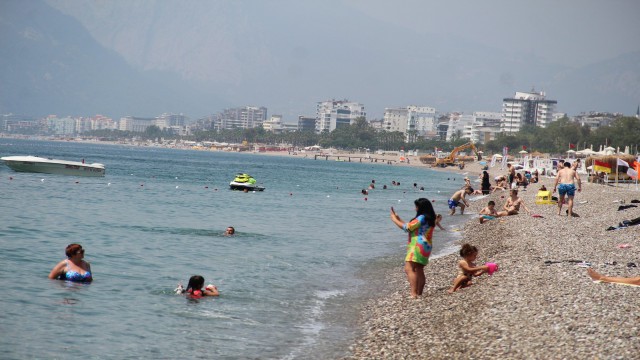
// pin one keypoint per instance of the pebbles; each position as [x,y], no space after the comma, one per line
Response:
[541,304]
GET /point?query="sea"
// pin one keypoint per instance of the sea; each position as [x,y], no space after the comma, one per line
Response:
[307,253]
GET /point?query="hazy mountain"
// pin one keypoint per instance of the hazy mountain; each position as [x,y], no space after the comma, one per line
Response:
[195,57]
[50,64]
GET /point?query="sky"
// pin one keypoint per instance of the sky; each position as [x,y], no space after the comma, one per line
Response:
[567,32]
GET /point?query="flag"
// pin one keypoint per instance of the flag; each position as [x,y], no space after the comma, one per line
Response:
[622,163]
[572,146]
[632,173]
[600,166]
[524,147]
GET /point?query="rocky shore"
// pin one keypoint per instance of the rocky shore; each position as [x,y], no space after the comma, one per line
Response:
[541,304]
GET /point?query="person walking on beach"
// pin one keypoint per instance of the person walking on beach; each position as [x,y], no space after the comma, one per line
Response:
[457,199]
[467,269]
[565,186]
[511,176]
[419,244]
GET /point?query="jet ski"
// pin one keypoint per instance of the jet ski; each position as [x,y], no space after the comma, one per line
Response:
[245,181]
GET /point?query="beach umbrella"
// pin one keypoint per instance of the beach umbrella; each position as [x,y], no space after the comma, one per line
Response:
[523,152]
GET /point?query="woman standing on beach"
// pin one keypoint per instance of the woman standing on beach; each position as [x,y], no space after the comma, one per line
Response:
[420,230]
[486,183]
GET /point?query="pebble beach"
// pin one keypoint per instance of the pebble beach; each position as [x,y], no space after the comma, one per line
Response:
[540,304]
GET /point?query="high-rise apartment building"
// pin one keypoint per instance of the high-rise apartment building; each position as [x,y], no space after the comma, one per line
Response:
[333,114]
[306,123]
[530,108]
[246,117]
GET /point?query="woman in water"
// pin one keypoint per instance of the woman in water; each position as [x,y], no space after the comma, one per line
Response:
[74,268]
[420,230]
[194,288]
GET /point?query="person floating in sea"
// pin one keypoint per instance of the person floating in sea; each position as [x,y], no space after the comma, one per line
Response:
[419,245]
[565,186]
[74,268]
[457,199]
[467,269]
[230,231]
[194,288]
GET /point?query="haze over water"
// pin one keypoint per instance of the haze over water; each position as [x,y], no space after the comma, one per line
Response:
[290,280]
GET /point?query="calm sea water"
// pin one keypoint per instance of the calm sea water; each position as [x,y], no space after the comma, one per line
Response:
[290,280]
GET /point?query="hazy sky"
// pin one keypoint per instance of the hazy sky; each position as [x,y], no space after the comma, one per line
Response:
[571,32]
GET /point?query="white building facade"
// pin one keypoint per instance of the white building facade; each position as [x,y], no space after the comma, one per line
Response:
[413,121]
[524,108]
[333,114]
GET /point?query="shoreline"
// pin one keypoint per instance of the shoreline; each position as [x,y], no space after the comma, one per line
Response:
[541,301]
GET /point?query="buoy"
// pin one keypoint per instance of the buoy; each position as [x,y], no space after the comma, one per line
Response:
[176,178]
[177,186]
[365,199]
[328,196]
[77,182]
[42,180]
[141,184]
[206,187]
[433,200]
[108,184]
[10,178]
[290,194]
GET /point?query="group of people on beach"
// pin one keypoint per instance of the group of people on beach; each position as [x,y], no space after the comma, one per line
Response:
[420,227]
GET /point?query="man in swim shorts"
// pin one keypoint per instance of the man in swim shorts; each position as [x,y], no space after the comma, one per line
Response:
[457,199]
[566,187]
[489,212]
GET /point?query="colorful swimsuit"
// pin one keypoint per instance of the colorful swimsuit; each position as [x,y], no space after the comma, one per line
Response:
[419,242]
[568,189]
[71,275]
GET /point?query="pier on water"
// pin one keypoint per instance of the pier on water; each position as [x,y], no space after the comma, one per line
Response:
[352,158]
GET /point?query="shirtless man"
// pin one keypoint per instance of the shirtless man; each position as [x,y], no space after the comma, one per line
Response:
[457,199]
[512,173]
[565,179]
[512,206]
[489,212]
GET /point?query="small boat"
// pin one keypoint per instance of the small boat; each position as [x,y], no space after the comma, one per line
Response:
[245,182]
[52,166]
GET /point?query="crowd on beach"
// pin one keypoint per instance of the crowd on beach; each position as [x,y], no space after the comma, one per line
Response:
[548,255]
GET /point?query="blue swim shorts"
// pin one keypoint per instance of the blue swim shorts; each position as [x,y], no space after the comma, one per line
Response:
[488,217]
[568,189]
[452,204]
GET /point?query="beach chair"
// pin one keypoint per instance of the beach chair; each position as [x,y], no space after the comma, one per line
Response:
[544,197]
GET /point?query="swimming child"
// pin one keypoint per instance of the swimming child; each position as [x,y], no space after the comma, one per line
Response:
[489,212]
[467,268]
[194,288]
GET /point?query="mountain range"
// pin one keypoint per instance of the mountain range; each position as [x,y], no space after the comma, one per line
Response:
[67,57]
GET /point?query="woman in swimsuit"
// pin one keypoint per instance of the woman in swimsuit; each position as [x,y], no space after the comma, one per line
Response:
[194,288]
[420,231]
[73,268]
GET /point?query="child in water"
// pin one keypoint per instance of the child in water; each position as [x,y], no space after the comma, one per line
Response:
[194,288]
[467,268]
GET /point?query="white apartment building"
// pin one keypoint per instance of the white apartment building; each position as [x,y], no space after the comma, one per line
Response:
[246,117]
[413,121]
[460,126]
[595,119]
[336,113]
[275,125]
[526,108]
[486,126]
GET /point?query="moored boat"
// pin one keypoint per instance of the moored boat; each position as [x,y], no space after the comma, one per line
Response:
[37,164]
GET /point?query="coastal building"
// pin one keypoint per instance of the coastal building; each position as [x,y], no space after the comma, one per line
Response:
[60,126]
[442,126]
[486,125]
[19,124]
[277,126]
[413,121]
[306,123]
[135,124]
[595,119]
[377,124]
[333,114]
[100,122]
[526,108]
[246,117]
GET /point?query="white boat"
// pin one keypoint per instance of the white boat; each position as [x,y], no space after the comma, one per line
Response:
[52,166]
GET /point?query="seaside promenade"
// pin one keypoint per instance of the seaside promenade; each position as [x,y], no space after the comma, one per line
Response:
[540,304]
